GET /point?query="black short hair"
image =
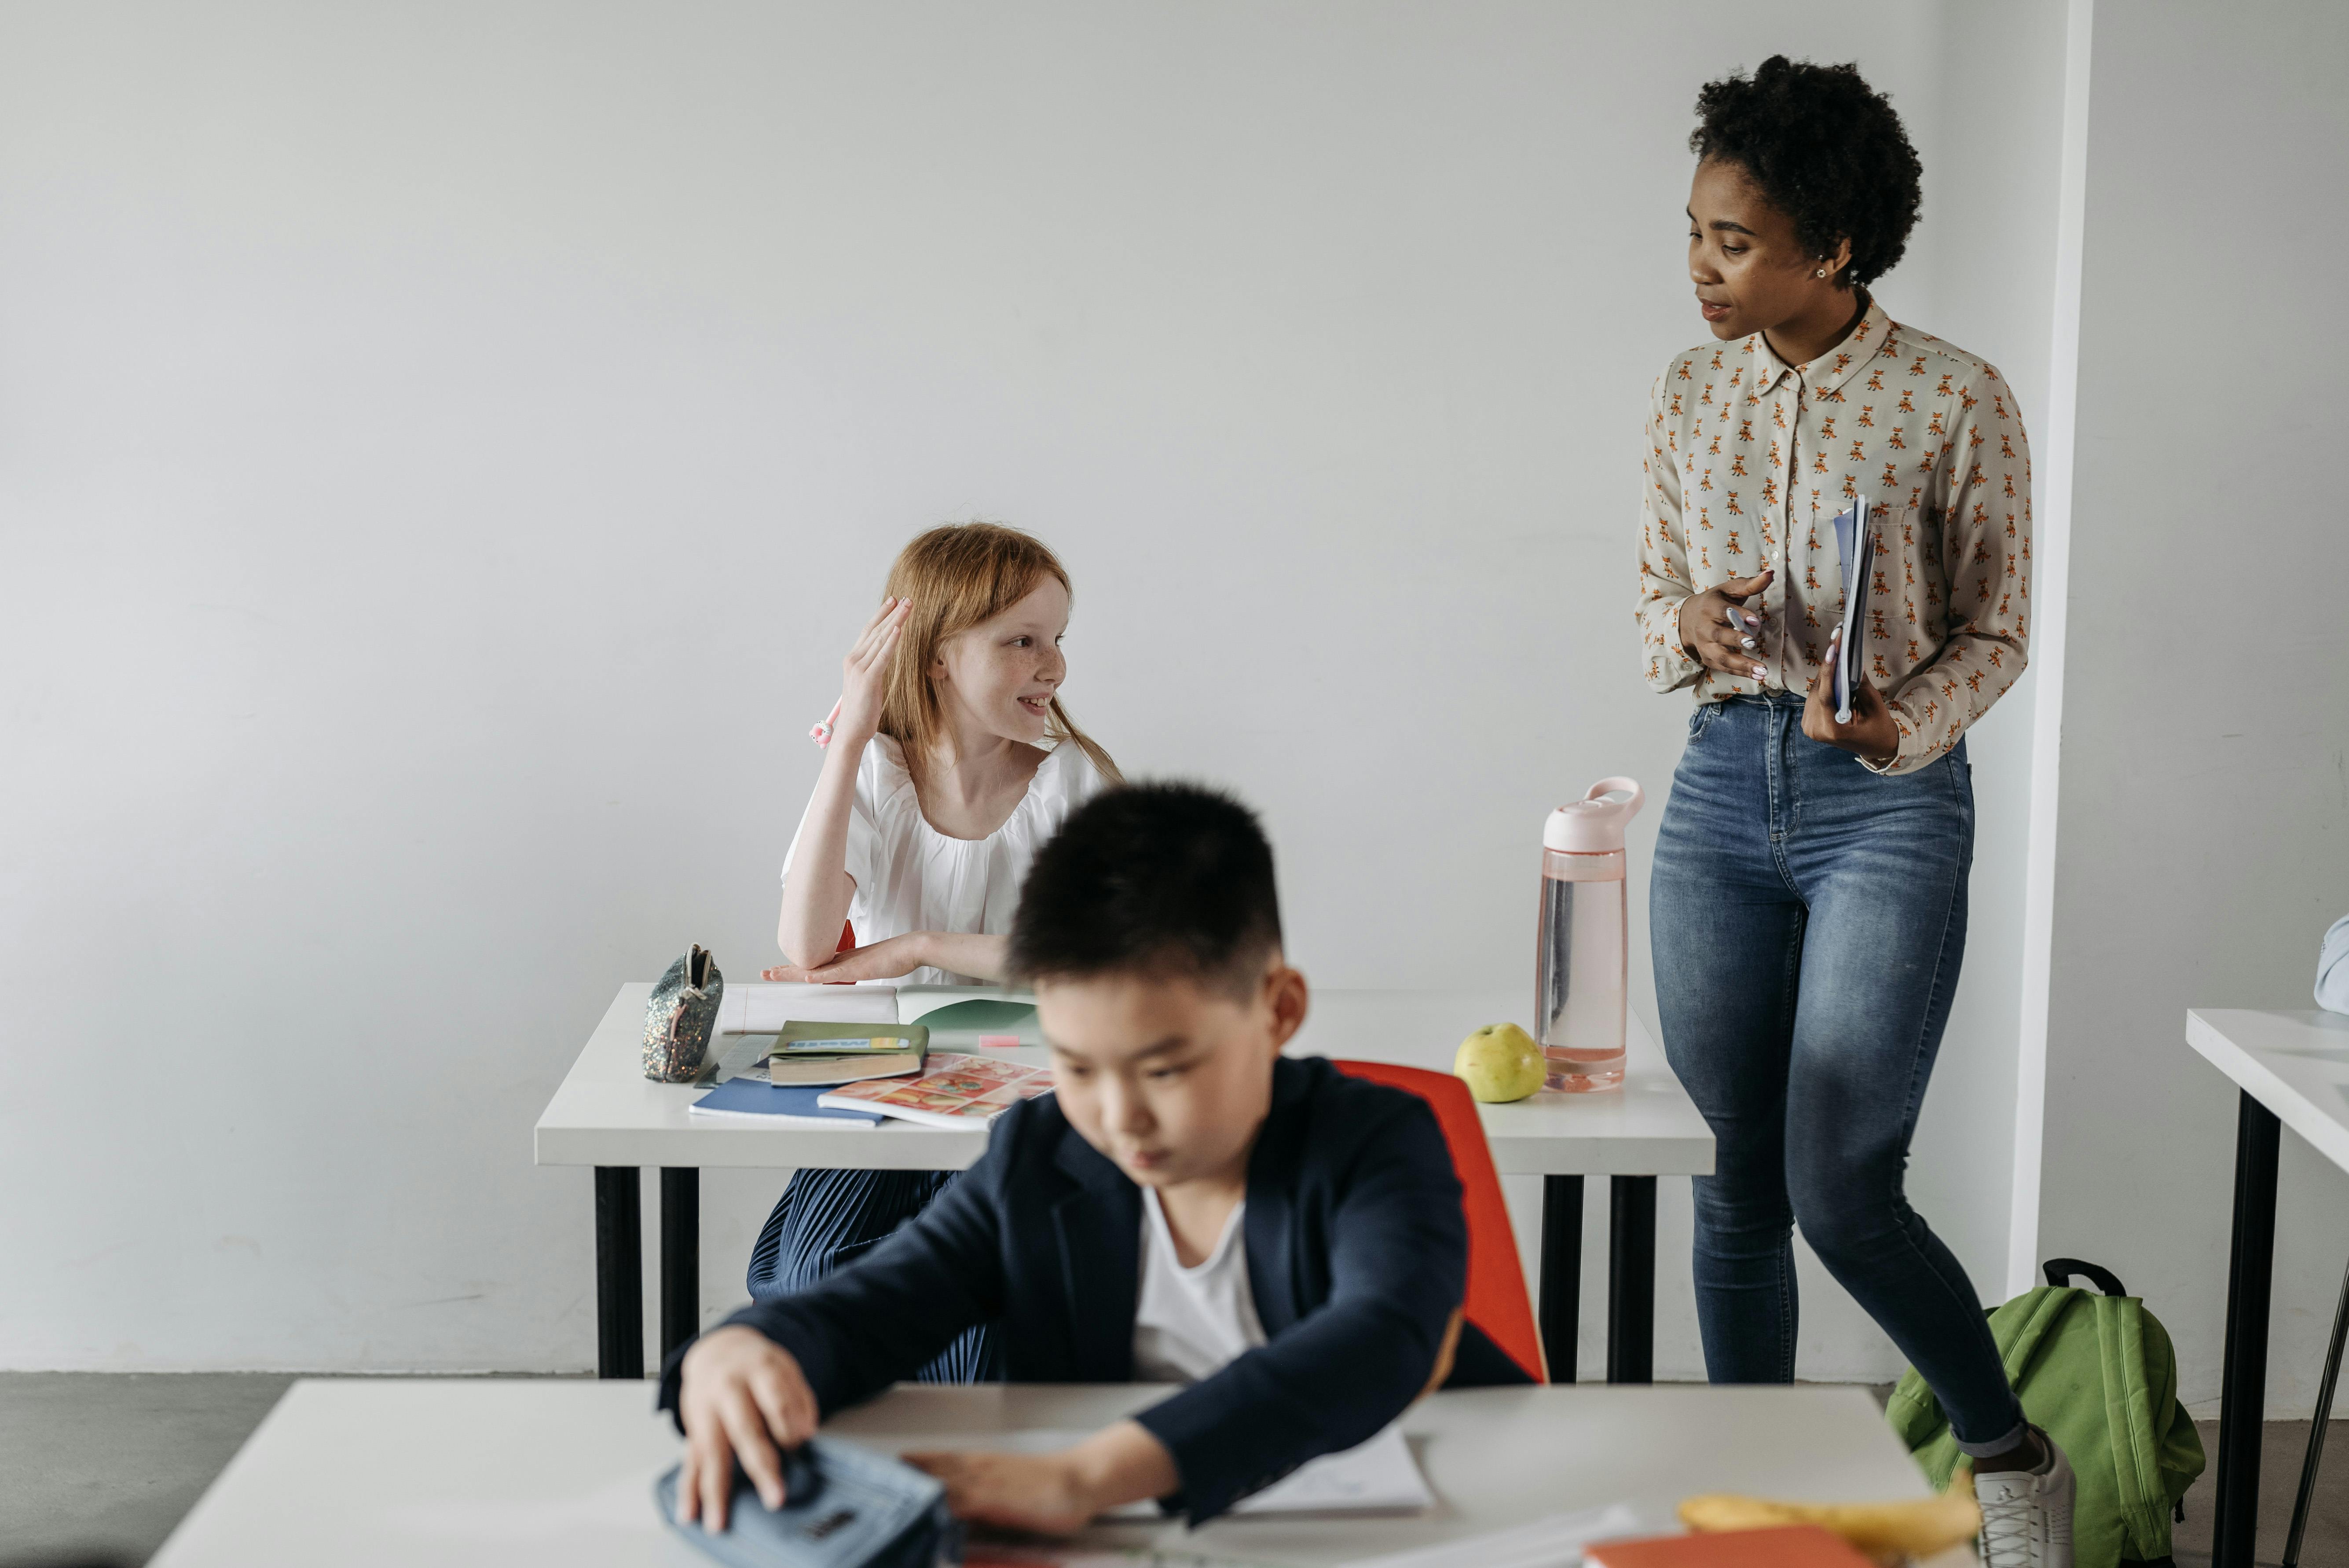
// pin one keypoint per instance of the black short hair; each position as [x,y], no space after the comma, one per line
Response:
[1826,149]
[1153,879]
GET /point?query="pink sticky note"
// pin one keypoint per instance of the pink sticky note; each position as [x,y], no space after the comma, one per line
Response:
[998,1042]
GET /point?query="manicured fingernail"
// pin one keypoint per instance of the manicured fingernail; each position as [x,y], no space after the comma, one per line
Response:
[1753,620]
[1760,673]
[1750,644]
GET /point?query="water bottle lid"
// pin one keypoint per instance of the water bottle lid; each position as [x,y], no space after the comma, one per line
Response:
[1594,824]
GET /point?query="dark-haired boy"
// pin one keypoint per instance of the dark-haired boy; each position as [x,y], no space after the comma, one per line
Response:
[1190,1206]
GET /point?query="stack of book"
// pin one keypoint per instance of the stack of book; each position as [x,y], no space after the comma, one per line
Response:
[829,1054]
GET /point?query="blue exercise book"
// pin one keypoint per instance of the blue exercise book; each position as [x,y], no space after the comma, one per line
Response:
[754,1100]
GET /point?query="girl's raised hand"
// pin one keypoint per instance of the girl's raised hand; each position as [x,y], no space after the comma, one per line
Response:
[864,672]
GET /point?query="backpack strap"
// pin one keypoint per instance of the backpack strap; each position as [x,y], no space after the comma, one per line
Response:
[2061,1269]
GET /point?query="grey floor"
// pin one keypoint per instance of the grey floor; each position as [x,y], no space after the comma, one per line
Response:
[96,1467]
[2282,1448]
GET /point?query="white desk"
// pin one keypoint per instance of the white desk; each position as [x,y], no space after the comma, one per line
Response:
[608,1115]
[2294,1071]
[524,1472]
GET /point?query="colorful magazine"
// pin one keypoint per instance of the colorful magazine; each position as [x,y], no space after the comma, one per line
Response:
[954,1090]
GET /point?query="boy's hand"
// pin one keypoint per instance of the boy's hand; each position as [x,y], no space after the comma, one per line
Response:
[1055,1493]
[1023,1492]
[739,1394]
[1871,735]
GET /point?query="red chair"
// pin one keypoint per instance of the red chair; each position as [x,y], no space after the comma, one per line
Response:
[1497,1301]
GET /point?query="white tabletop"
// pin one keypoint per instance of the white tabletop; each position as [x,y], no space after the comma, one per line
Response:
[519,1472]
[608,1113]
[2296,1063]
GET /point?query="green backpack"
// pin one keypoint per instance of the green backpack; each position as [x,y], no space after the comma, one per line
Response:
[2097,1373]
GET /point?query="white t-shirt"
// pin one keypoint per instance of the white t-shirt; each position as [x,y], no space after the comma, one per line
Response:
[1190,1323]
[911,877]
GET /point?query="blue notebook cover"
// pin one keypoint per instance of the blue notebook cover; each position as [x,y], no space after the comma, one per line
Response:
[749,1096]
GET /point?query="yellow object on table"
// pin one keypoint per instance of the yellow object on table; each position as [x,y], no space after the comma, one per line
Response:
[1499,1063]
[1890,1533]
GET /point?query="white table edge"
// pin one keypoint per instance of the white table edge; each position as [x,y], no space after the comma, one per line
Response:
[1516,1148]
[2327,1134]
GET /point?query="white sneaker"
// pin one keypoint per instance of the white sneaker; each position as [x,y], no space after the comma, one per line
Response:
[2027,1514]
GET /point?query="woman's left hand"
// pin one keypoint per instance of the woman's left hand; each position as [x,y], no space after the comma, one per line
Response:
[885,960]
[1871,735]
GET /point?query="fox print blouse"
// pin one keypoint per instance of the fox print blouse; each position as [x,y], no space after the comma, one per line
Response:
[1749,460]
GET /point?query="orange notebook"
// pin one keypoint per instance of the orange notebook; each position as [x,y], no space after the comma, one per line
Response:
[1788,1546]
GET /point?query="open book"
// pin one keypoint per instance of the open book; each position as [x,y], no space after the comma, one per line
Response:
[762,1006]
[1854,533]
[966,1016]
[956,1090]
[1379,1476]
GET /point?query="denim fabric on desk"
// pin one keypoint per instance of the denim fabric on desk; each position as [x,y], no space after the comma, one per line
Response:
[1808,918]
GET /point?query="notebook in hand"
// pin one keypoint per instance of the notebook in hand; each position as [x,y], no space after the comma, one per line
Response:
[1854,533]
[955,1090]
[753,1100]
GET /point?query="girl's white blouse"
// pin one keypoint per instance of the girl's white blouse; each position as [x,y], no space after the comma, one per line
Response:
[911,877]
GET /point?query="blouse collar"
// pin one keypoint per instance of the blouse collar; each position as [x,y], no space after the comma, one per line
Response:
[1824,377]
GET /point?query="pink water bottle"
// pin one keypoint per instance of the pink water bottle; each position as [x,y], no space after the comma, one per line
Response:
[1582,960]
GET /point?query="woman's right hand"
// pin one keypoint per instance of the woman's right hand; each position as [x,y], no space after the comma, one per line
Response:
[864,672]
[1725,635]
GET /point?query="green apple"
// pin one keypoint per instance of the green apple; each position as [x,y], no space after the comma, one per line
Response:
[1499,1063]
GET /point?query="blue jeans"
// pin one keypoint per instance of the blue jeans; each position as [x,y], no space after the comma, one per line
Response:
[1807,917]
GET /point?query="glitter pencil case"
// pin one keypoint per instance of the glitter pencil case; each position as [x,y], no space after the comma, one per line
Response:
[678,1018]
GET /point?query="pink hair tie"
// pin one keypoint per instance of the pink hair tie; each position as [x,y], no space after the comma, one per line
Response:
[821,733]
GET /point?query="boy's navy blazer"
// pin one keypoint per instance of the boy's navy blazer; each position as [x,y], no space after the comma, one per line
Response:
[1357,1256]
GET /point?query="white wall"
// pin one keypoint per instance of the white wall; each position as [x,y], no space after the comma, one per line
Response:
[447,449]
[2204,840]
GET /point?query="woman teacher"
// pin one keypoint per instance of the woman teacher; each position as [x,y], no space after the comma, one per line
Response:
[1809,900]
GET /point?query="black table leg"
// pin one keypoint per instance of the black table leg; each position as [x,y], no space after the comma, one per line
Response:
[680,1257]
[620,1274]
[1561,1274]
[2242,1394]
[2325,1387]
[1632,1280]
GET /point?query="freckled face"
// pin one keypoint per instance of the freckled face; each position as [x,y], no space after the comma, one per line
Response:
[1751,273]
[1004,672]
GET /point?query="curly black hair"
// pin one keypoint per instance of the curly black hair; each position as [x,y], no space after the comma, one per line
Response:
[1826,148]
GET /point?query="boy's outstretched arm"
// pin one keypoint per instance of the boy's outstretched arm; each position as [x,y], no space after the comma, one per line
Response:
[1055,1493]
[1398,1270]
[878,1319]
